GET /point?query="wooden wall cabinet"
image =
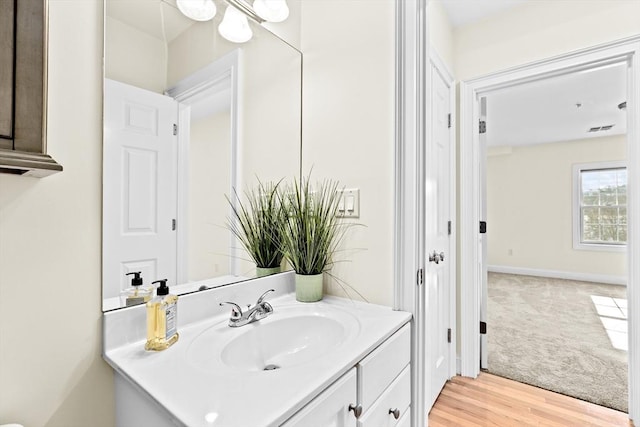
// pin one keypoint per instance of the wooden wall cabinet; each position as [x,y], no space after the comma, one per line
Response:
[23,89]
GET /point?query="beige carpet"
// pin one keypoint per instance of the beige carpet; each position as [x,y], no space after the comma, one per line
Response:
[548,333]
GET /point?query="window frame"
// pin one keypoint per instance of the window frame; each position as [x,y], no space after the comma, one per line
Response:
[577,220]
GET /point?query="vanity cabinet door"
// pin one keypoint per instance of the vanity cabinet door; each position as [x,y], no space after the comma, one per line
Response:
[331,407]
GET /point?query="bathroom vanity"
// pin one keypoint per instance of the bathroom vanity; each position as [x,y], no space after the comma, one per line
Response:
[334,362]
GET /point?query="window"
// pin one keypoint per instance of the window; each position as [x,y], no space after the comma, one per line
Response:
[601,206]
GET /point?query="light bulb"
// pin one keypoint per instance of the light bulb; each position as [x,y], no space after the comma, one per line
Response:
[198,10]
[234,26]
[272,10]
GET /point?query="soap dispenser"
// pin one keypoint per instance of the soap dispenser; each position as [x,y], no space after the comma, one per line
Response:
[162,317]
[136,293]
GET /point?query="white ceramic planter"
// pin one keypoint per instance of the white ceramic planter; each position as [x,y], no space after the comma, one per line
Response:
[309,287]
[262,271]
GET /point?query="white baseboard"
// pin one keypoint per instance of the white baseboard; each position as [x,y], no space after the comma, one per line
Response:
[584,277]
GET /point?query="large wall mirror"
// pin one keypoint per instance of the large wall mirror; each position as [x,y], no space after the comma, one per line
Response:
[188,118]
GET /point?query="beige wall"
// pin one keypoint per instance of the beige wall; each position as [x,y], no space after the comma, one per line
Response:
[348,126]
[51,369]
[539,30]
[209,178]
[134,57]
[530,206]
[441,33]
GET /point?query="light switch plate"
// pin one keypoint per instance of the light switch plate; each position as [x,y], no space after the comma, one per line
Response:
[349,203]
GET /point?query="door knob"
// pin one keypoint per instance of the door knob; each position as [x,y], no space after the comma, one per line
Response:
[436,257]
[395,412]
[357,410]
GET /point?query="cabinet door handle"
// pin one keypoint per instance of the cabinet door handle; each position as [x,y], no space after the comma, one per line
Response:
[357,410]
[395,412]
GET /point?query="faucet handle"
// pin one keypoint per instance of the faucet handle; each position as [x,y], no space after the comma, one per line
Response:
[263,296]
[266,308]
[236,311]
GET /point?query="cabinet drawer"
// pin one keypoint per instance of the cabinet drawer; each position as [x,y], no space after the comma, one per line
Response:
[405,420]
[383,365]
[331,407]
[397,396]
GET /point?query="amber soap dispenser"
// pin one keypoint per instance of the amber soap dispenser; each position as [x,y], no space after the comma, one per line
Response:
[162,317]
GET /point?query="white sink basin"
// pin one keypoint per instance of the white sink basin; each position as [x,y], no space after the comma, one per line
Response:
[293,335]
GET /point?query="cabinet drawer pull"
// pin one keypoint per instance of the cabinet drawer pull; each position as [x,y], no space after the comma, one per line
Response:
[395,412]
[357,410]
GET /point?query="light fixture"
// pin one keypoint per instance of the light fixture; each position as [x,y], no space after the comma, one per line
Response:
[198,10]
[234,26]
[272,10]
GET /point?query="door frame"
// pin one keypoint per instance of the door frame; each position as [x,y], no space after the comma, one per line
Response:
[470,172]
[413,63]
[412,90]
[220,75]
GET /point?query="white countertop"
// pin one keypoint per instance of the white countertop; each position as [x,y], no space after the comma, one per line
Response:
[197,396]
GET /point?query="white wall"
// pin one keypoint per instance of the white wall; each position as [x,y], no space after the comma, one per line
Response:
[51,369]
[530,206]
[348,126]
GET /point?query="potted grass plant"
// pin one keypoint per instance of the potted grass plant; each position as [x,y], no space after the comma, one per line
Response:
[258,224]
[311,234]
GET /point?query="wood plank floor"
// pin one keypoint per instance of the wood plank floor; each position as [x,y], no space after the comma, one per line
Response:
[490,400]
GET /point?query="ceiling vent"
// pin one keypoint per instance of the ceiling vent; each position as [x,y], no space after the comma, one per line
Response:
[600,128]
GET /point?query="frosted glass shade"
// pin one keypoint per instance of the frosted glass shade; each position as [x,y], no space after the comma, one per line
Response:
[198,10]
[234,26]
[271,10]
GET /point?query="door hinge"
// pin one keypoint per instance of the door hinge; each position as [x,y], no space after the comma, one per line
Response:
[449,120]
[483,126]
[449,335]
[483,328]
[175,129]
[483,227]
[173,225]
[449,228]
[420,277]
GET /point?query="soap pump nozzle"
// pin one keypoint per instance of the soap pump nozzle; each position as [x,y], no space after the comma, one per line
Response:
[163,289]
[137,279]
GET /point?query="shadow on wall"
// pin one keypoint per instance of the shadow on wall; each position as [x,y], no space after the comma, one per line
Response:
[92,370]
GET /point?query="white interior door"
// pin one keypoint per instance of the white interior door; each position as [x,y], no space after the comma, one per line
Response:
[482,129]
[438,229]
[139,186]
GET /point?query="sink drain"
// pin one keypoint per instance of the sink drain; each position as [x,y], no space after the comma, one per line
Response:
[271,367]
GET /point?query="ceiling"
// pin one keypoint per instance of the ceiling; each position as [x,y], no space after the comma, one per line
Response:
[558,109]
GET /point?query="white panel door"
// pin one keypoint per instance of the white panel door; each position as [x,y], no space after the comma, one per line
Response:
[438,207]
[139,186]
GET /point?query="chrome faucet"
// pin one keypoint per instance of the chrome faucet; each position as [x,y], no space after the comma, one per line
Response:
[260,310]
